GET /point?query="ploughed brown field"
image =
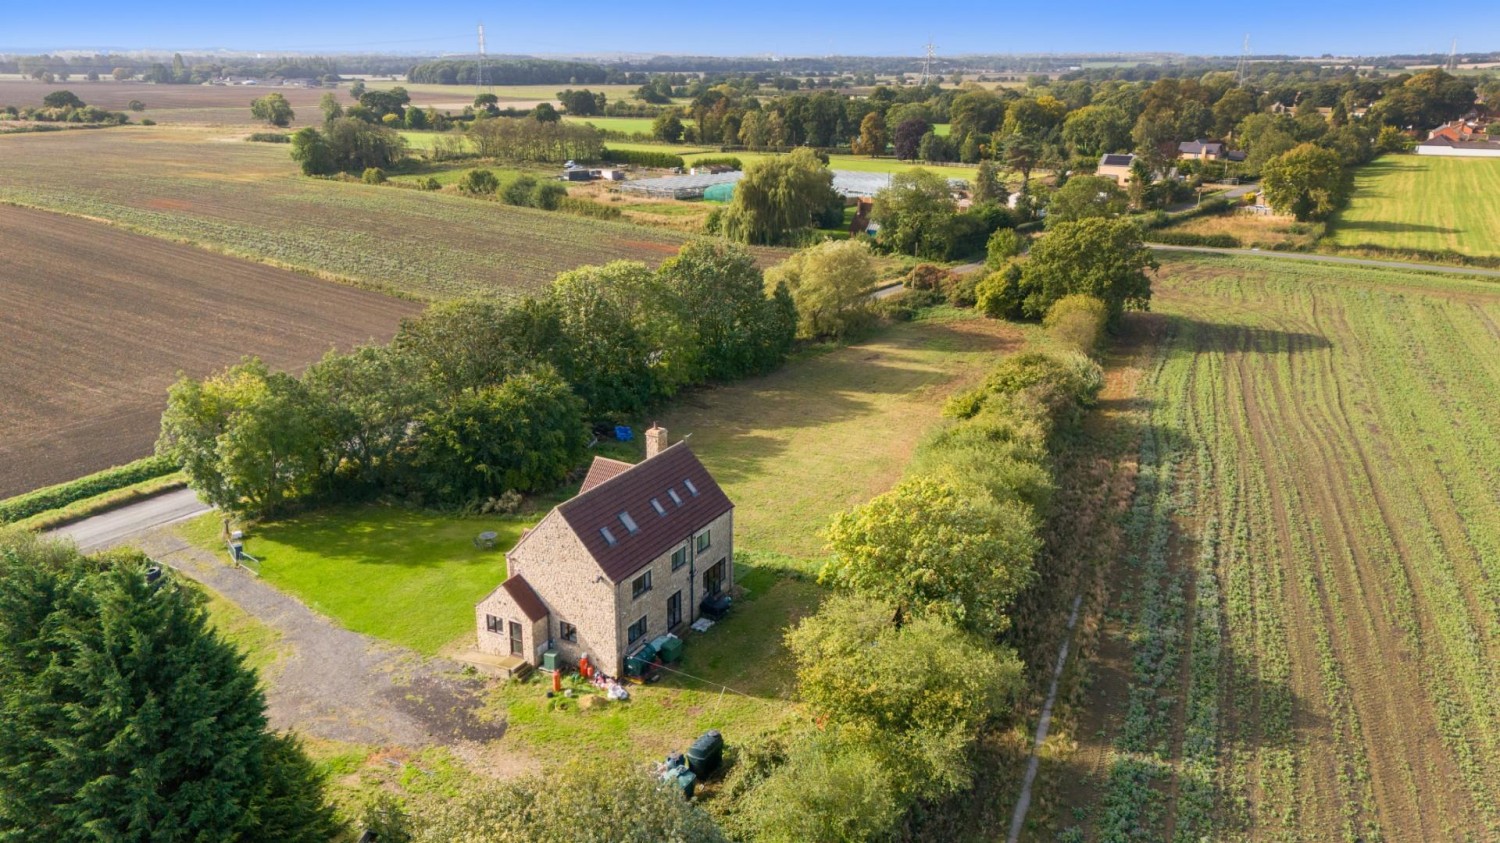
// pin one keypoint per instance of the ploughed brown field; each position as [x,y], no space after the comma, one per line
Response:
[174,103]
[95,323]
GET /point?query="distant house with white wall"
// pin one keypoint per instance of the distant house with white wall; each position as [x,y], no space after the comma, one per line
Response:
[630,558]
[1447,147]
[1116,165]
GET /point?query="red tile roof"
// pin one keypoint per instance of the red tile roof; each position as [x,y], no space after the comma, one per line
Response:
[602,469]
[525,596]
[631,491]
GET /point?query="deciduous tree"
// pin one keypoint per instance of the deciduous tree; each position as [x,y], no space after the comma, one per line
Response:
[1104,258]
[1308,182]
[779,198]
[273,108]
[830,284]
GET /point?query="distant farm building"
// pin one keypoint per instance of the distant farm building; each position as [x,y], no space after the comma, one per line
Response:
[1446,147]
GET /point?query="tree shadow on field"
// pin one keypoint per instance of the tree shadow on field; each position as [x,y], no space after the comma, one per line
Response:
[1387,227]
[1194,335]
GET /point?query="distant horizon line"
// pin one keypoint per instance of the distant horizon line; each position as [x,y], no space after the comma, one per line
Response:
[608,56]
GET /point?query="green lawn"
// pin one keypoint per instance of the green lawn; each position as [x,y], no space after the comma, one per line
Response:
[628,125]
[832,430]
[1424,203]
[407,576]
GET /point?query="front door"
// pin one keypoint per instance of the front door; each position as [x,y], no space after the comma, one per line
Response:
[713,579]
[515,639]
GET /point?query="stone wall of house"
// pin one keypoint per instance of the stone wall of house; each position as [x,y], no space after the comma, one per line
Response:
[574,590]
[665,582]
[499,604]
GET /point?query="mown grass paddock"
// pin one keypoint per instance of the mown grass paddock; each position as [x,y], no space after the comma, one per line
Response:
[1424,203]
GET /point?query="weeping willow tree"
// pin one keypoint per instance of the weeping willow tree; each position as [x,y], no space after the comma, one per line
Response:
[779,199]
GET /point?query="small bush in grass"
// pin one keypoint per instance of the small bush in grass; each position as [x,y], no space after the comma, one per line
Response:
[961,290]
[148,122]
[430,183]
[477,183]
[547,195]
[136,105]
[269,137]
[373,175]
[926,276]
[520,191]
[1077,321]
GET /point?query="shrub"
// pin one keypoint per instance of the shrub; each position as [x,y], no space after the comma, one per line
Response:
[373,175]
[55,497]
[904,306]
[719,161]
[587,208]
[547,195]
[642,158]
[520,191]
[1003,245]
[926,276]
[269,137]
[961,289]
[136,105]
[477,183]
[999,295]
[1077,321]
[1188,238]
[430,183]
[148,122]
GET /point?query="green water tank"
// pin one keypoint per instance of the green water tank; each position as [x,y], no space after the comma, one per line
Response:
[669,647]
[549,660]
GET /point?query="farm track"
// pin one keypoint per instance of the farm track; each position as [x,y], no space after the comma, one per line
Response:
[97,322]
[1323,667]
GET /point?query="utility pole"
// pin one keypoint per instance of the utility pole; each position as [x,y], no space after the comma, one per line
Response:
[479,86]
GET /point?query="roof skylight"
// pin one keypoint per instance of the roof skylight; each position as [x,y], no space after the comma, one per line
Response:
[609,538]
[628,522]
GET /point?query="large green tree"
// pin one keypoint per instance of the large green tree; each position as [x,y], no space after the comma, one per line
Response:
[913,213]
[1104,258]
[737,329]
[1084,197]
[273,108]
[523,435]
[779,198]
[251,441]
[830,284]
[1308,182]
[934,548]
[125,717]
[919,692]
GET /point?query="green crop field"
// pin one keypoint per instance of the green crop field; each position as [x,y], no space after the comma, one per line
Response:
[247,199]
[1308,611]
[628,125]
[1424,203]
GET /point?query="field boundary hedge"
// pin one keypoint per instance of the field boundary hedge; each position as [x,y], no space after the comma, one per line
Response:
[55,497]
[1188,238]
[642,158]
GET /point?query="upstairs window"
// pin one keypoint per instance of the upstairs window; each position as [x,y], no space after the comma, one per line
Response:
[679,558]
[629,522]
[656,505]
[609,538]
[641,585]
[703,541]
[692,490]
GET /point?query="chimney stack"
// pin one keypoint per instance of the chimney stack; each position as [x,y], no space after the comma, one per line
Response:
[656,440]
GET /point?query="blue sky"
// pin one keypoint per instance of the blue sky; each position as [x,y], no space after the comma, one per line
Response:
[787,27]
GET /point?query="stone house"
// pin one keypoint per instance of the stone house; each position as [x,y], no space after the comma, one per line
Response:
[630,558]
